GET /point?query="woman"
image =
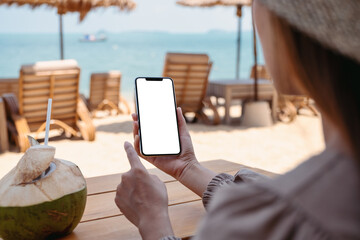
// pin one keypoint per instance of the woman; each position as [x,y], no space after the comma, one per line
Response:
[310,47]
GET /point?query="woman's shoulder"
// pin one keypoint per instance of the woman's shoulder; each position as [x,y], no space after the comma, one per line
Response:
[321,173]
[325,188]
[330,177]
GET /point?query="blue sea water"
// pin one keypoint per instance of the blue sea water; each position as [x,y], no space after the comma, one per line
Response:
[133,53]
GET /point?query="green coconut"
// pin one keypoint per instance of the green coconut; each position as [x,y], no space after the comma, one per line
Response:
[42,197]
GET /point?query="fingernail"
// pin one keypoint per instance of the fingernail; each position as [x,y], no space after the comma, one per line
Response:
[127,144]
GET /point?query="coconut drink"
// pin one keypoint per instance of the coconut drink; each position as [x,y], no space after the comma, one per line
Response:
[41,196]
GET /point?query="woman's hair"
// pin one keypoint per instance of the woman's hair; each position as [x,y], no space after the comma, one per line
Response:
[331,79]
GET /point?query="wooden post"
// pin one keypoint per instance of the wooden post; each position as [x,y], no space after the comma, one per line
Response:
[61,38]
[255,62]
[238,45]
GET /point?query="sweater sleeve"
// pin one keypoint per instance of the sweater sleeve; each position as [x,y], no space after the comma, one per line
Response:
[170,238]
[254,211]
[222,179]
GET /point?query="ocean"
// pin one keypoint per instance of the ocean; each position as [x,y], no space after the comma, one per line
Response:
[133,53]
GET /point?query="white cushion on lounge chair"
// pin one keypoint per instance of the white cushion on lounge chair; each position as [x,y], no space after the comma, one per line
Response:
[50,66]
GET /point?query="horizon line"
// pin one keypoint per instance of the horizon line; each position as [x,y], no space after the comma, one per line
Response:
[132,31]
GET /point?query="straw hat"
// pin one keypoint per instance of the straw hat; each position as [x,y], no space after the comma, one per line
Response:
[333,23]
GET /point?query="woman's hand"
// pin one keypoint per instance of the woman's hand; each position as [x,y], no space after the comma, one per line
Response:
[143,199]
[183,167]
[172,165]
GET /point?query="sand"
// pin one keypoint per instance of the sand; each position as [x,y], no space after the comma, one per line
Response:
[278,148]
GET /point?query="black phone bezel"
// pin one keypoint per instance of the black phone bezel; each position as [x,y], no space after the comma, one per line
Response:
[138,114]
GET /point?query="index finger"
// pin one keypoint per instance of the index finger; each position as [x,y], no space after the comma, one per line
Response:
[133,157]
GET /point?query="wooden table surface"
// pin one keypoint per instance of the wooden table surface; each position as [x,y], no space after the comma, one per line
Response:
[243,89]
[103,220]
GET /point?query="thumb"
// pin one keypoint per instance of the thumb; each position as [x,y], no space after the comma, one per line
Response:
[132,156]
[182,123]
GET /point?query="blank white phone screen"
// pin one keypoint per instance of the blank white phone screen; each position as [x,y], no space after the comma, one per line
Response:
[157,113]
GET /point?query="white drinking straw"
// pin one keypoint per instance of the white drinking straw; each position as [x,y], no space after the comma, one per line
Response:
[48,115]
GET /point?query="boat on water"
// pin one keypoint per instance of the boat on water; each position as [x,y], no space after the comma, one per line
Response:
[93,38]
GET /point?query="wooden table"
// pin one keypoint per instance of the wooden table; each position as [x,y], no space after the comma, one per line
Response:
[103,220]
[241,89]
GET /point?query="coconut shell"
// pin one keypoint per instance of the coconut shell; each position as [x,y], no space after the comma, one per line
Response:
[36,202]
[43,221]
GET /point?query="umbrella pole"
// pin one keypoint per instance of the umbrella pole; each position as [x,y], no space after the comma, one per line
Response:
[256,113]
[238,48]
[255,62]
[238,45]
[61,38]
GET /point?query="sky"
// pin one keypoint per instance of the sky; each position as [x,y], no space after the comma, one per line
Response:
[159,15]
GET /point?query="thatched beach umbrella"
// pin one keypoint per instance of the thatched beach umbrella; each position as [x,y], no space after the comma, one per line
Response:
[65,6]
[210,3]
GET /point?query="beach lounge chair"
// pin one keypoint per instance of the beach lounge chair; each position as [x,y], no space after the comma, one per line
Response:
[58,80]
[190,73]
[9,85]
[302,102]
[105,93]
[288,105]
[283,110]
[261,72]
[4,142]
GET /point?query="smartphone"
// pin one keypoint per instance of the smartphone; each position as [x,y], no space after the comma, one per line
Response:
[157,116]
